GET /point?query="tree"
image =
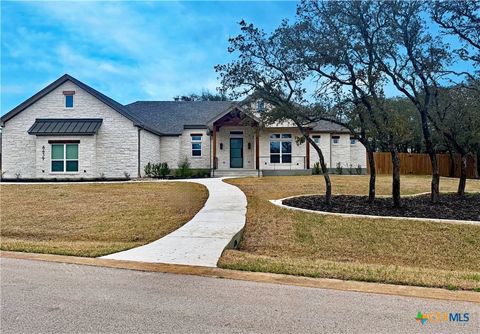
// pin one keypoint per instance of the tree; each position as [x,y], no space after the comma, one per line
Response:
[461,19]
[457,119]
[267,69]
[337,42]
[205,95]
[415,63]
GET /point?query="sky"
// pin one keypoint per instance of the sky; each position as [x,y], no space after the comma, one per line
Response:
[127,50]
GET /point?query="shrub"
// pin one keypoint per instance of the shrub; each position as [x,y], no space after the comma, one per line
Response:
[183,168]
[359,169]
[127,175]
[148,170]
[350,169]
[317,170]
[200,173]
[339,168]
[164,169]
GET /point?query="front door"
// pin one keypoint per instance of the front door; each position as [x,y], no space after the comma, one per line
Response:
[236,152]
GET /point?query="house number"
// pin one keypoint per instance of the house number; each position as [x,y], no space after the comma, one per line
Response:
[43,152]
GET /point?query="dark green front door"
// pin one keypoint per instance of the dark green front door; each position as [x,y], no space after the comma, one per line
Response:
[236,152]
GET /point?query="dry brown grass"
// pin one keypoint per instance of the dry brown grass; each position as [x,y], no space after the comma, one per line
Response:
[397,251]
[94,219]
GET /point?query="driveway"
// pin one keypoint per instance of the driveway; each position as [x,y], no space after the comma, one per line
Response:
[47,297]
[202,240]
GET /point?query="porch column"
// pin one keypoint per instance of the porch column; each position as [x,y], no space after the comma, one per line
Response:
[307,164]
[214,147]
[257,149]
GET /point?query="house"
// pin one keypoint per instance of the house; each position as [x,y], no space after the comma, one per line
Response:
[69,130]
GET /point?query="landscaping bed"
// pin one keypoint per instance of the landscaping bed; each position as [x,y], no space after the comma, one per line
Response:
[397,251]
[450,206]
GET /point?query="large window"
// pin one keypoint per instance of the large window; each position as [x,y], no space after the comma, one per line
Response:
[281,148]
[196,144]
[64,158]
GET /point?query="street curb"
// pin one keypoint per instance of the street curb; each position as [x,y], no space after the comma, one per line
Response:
[323,283]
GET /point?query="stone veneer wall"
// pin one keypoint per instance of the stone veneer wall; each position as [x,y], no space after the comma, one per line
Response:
[111,152]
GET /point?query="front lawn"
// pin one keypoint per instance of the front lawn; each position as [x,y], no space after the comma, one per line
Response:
[94,219]
[391,251]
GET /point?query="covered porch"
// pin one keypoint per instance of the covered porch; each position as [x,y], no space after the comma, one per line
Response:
[240,147]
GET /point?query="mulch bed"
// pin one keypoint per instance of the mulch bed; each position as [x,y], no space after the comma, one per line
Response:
[450,206]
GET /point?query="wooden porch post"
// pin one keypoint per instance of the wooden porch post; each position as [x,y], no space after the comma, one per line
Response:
[308,154]
[257,150]
[214,147]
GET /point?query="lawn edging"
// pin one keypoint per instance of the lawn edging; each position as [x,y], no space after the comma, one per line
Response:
[279,203]
[260,277]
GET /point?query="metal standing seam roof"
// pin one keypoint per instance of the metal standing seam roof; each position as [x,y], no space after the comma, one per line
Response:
[60,126]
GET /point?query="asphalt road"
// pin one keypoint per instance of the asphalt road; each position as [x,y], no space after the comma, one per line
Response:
[43,297]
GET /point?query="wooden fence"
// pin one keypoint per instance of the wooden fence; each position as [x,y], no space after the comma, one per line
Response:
[419,164]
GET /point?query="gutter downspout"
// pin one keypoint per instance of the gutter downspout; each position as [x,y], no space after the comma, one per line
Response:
[138,158]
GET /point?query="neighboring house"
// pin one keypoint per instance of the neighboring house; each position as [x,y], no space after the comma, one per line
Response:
[69,130]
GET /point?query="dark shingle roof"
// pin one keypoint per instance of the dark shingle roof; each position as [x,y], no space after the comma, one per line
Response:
[326,126]
[171,117]
[65,126]
[158,117]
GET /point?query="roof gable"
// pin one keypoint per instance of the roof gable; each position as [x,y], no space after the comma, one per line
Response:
[121,109]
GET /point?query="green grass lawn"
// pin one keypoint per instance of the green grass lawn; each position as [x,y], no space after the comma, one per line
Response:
[393,251]
[94,219]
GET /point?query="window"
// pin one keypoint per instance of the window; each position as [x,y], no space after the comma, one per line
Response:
[68,101]
[335,139]
[260,105]
[316,139]
[196,144]
[64,158]
[353,141]
[280,148]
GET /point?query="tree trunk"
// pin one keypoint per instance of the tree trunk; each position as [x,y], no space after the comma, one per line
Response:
[373,176]
[463,175]
[396,178]
[452,163]
[435,186]
[326,176]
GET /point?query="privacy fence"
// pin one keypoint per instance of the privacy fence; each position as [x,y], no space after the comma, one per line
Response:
[419,164]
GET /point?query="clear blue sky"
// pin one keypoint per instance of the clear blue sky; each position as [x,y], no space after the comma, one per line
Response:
[128,50]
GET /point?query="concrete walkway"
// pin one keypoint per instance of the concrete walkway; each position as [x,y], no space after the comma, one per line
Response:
[202,240]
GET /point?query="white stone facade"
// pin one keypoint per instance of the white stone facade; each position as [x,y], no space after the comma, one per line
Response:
[111,153]
[149,148]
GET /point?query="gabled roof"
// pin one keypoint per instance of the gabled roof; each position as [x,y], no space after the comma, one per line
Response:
[171,117]
[65,126]
[64,78]
[160,117]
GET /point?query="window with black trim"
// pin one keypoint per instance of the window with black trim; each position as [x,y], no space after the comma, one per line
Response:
[335,139]
[280,148]
[353,141]
[64,158]
[316,139]
[196,144]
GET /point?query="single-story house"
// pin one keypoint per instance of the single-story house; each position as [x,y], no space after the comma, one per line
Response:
[69,130]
